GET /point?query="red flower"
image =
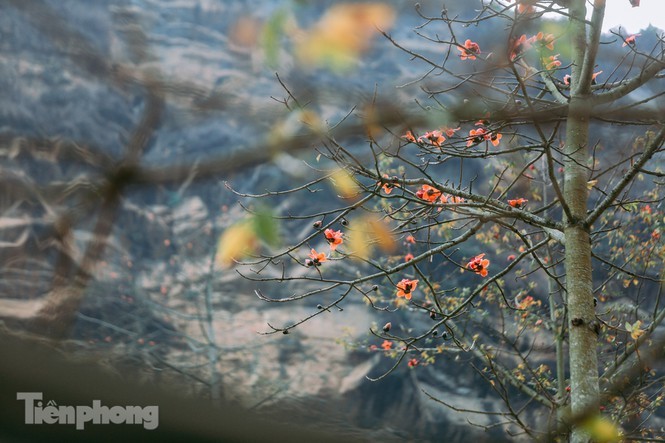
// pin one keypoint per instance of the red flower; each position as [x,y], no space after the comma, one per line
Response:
[427,192]
[450,131]
[435,138]
[408,257]
[317,257]
[387,345]
[476,136]
[334,238]
[495,138]
[409,137]
[388,186]
[521,45]
[479,265]
[546,40]
[630,40]
[517,203]
[410,239]
[526,302]
[406,287]
[469,51]
[511,257]
[566,79]
[552,62]
[413,362]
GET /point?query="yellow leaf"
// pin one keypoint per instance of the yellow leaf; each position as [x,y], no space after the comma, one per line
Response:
[344,184]
[590,184]
[367,232]
[343,33]
[358,245]
[235,243]
[602,430]
[380,232]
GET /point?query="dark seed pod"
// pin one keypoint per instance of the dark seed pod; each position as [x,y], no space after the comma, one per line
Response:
[387,327]
[285,331]
[344,222]
[317,224]
[435,333]
[432,315]
[375,288]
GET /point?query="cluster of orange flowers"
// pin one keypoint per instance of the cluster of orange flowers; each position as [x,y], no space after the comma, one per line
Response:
[431,194]
[437,138]
[469,50]
[434,138]
[406,287]
[478,135]
[388,186]
[552,62]
[479,264]
[316,258]
[334,239]
[524,43]
[518,203]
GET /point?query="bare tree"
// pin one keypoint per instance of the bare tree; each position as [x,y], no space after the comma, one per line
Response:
[500,204]
[519,153]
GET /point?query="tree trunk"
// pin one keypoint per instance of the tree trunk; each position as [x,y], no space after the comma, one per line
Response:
[583,337]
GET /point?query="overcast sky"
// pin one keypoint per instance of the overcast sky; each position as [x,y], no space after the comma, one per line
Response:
[619,12]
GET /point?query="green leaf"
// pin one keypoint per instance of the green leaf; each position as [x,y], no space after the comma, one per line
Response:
[266,227]
[272,34]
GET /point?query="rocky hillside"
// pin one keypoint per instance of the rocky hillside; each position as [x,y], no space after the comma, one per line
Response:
[158,306]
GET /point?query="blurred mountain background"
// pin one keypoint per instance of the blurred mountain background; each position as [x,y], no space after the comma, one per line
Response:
[158,310]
